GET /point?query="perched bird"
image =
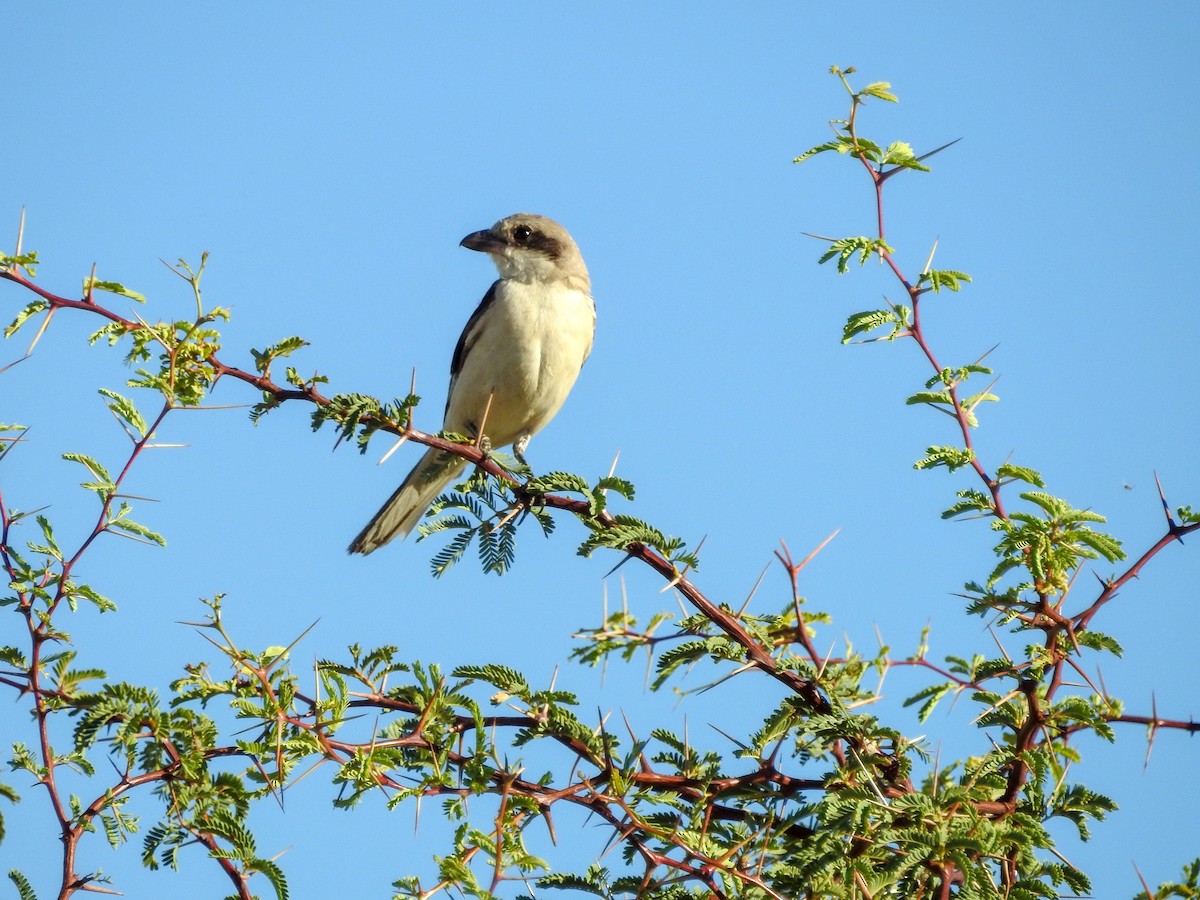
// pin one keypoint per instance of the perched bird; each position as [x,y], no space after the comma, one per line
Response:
[515,362]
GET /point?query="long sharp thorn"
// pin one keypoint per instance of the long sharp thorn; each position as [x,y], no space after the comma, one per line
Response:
[628,557]
[987,390]
[986,354]
[929,262]
[394,448]
[41,330]
[1166,506]
[483,423]
[754,590]
[938,150]
[8,366]
[286,650]
[175,269]
[412,392]
[1146,887]
[1152,732]
[612,470]
[728,736]
[996,638]
[679,576]
[821,546]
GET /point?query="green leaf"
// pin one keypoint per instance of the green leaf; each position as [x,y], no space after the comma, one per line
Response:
[863,322]
[1187,516]
[617,485]
[951,457]
[125,411]
[1099,641]
[497,548]
[48,536]
[901,155]
[24,888]
[27,261]
[1106,545]
[75,592]
[1020,473]
[595,882]
[13,657]
[950,279]
[954,377]
[558,482]
[970,501]
[111,287]
[286,347]
[1051,505]
[508,680]
[625,531]
[446,558]
[273,873]
[844,249]
[928,698]
[881,90]
[98,471]
[31,309]
[356,412]
[933,398]
[840,144]
[122,523]
[975,399]
[844,144]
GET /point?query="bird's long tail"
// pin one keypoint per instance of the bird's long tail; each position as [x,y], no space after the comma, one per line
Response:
[404,508]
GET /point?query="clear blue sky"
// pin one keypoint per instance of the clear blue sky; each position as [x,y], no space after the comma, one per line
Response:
[331,157]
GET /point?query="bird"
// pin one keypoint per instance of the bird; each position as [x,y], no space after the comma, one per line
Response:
[517,359]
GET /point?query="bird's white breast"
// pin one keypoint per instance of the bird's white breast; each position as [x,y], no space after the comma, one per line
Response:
[532,341]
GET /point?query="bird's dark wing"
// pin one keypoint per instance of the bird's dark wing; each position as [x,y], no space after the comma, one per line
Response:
[467,339]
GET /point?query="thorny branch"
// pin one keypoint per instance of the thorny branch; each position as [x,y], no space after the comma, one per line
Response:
[1056,626]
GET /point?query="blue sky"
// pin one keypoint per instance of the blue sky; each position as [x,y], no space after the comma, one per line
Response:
[330,157]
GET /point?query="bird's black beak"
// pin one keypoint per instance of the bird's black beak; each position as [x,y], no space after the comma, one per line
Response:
[483,241]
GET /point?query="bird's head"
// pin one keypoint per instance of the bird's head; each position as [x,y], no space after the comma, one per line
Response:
[526,247]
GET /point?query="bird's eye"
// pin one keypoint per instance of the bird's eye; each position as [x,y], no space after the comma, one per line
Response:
[521,233]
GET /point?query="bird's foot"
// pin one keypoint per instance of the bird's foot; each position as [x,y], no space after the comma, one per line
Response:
[519,446]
